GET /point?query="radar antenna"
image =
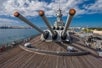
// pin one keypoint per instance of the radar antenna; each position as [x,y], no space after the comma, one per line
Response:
[59,5]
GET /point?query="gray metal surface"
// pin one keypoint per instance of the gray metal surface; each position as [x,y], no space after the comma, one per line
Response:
[29,23]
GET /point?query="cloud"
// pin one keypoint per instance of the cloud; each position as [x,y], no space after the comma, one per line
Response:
[31,7]
[26,7]
[95,7]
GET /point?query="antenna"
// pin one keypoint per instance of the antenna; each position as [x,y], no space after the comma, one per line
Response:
[59,4]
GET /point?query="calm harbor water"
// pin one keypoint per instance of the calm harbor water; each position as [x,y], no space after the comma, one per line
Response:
[9,35]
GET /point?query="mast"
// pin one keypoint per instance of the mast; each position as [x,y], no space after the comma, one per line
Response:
[59,21]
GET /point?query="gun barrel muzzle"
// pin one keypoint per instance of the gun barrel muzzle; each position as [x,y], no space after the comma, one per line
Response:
[42,14]
[18,15]
[72,12]
[68,21]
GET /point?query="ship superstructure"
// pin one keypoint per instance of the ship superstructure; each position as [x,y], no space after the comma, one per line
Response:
[59,24]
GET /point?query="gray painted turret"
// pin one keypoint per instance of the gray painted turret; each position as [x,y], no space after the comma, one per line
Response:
[57,34]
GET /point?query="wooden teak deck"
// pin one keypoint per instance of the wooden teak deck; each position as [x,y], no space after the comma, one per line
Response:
[19,58]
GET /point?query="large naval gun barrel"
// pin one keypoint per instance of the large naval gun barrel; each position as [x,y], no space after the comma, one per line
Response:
[17,14]
[54,33]
[68,21]
[42,14]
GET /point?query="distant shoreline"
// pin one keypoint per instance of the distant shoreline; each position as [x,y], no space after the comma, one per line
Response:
[15,28]
[99,29]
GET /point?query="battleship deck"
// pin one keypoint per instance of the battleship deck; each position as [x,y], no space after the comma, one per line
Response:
[19,58]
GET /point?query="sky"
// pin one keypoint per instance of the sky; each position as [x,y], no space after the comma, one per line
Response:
[88,12]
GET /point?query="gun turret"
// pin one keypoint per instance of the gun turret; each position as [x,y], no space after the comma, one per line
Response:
[42,14]
[18,15]
[68,21]
[51,34]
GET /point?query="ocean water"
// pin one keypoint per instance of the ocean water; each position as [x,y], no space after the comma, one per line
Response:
[9,35]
